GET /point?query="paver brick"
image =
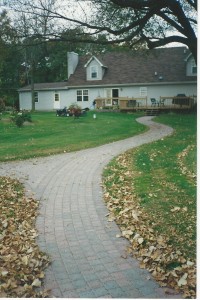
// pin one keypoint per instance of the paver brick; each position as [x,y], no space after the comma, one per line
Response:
[87,294]
[111,284]
[99,292]
[117,293]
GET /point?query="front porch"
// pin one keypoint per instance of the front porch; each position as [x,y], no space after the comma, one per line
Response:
[164,103]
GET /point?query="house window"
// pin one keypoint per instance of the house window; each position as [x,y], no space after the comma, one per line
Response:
[93,71]
[36,98]
[194,67]
[115,95]
[56,97]
[82,95]
[143,91]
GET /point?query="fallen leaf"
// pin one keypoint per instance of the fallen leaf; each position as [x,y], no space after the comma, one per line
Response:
[140,240]
[36,283]
[5,224]
[25,260]
[134,215]
[118,235]
[190,263]
[176,208]
[127,233]
[4,273]
[183,280]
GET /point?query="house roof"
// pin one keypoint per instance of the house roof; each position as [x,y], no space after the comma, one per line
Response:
[95,58]
[137,67]
[45,86]
[129,67]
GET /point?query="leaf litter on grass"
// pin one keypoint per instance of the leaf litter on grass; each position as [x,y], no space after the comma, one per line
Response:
[22,263]
[191,175]
[165,261]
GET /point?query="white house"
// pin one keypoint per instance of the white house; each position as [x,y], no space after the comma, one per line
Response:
[143,73]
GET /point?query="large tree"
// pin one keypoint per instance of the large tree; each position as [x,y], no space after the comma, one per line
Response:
[33,29]
[10,61]
[156,23]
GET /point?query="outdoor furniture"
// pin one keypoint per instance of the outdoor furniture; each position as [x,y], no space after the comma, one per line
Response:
[154,102]
[181,99]
[162,102]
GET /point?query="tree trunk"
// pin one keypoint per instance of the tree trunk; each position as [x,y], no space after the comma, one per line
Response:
[193,48]
[32,87]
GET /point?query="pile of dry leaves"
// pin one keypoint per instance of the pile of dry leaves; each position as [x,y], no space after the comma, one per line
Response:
[184,170]
[166,264]
[22,263]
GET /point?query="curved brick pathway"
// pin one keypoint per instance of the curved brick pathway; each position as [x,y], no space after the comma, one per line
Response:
[88,261]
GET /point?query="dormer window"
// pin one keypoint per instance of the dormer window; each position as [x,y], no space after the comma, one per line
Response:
[191,66]
[94,69]
[94,72]
[194,67]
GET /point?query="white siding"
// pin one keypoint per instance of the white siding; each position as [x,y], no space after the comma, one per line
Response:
[156,91]
[45,100]
[70,97]
[67,97]
[25,100]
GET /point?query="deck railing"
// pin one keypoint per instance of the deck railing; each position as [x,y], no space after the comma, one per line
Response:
[121,102]
[177,102]
[137,103]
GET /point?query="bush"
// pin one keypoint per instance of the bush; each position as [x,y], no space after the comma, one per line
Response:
[75,108]
[8,108]
[26,116]
[19,121]
[20,117]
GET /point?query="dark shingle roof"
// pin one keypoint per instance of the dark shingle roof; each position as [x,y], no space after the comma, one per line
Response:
[46,86]
[137,67]
[130,67]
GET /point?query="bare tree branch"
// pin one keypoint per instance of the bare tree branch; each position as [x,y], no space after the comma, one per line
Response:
[162,21]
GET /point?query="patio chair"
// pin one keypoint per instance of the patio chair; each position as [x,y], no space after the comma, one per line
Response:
[162,102]
[154,102]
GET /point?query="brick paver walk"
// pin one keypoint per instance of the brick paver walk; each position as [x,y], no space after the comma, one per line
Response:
[88,260]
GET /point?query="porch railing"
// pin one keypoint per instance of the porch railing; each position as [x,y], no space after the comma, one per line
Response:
[121,102]
[134,103]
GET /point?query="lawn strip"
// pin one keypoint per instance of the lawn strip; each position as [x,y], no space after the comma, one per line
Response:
[49,134]
[155,205]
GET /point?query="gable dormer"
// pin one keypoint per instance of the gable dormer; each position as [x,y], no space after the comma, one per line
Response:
[191,67]
[94,69]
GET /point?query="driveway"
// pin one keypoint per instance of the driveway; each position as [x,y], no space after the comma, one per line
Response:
[88,260]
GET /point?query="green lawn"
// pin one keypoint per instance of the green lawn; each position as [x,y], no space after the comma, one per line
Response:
[49,134]
[162,184]
[151,193]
